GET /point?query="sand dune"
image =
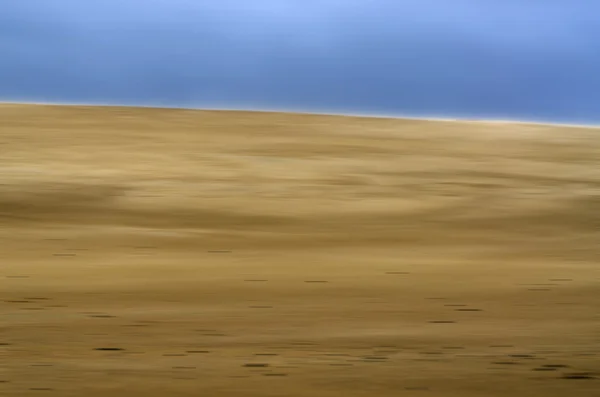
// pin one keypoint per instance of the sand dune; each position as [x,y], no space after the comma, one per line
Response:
[163,252]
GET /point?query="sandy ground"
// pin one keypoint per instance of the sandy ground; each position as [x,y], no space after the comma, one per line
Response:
[149,252]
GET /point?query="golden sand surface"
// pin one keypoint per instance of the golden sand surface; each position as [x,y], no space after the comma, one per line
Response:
[166,252]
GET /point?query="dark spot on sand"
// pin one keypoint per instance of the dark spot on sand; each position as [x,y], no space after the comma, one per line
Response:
[578,375]
[109,349]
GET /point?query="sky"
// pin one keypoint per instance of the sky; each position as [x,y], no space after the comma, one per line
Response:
[531,60]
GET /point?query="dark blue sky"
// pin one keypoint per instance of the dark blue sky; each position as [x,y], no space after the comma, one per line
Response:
[502,59]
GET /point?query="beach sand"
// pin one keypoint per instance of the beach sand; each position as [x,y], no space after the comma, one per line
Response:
[165,252]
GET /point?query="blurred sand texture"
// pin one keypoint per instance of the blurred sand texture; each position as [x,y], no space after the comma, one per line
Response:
[165,252]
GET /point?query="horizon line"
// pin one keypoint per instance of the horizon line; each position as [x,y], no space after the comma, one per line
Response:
[313,112]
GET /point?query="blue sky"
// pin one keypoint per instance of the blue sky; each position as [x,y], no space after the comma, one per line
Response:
[501,59]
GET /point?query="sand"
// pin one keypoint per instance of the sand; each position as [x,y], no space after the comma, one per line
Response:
[164,252]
